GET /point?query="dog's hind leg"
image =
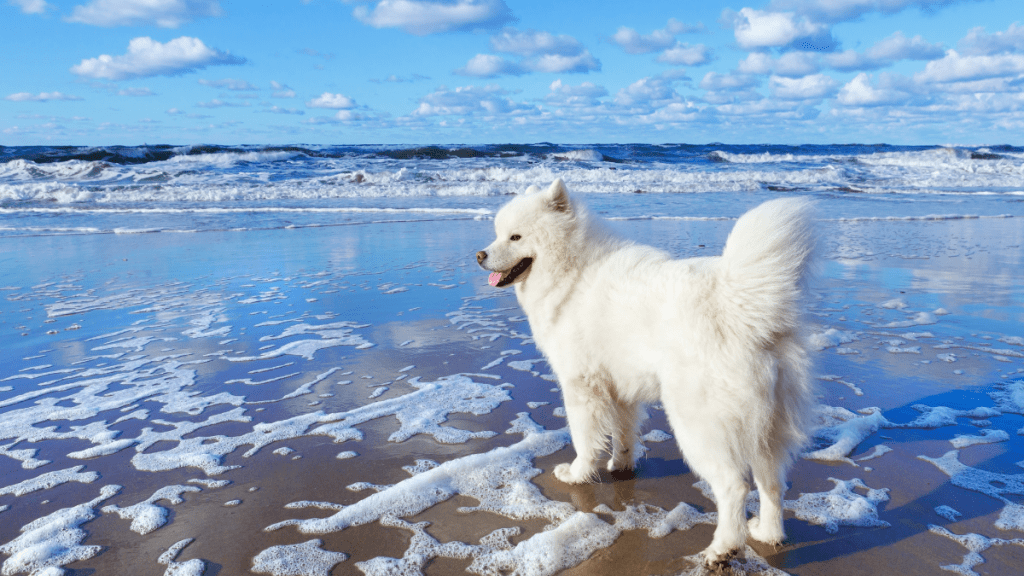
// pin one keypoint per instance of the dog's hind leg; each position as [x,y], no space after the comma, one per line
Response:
[767,525]
[625,436]
[703,439]
[587,415]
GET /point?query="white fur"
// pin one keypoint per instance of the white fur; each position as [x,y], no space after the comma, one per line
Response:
[717,340]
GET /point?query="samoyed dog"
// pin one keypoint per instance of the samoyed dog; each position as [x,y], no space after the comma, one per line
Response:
[718,341]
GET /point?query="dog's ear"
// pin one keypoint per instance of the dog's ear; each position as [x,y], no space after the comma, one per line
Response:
[533,189]
[558,197]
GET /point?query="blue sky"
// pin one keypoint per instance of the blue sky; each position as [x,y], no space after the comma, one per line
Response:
[102,72]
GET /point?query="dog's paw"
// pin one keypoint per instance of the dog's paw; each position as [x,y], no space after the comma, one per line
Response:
[565,473]
[716,561]
[622,462]
[769,533]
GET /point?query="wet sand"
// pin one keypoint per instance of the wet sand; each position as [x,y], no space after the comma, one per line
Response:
[174,309]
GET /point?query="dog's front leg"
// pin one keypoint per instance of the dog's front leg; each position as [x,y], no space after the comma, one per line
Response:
[585,417]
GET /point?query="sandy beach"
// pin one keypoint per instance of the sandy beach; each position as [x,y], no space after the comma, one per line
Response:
[357,400]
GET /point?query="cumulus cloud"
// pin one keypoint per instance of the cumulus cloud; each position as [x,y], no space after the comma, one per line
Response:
[162,13]
[980,43]
[886,52]
[421,17]
[229,84]
[651,92]
[540,52]
[147,57]
[488,100]
[811,87]
[532,43]
[954,67]
[685,54]
[490,65]
[764,29]
[332,101]
[635,43]
[834,11]
[31,6]
[41,97]
[586,94]
[860,92]
[717,81]
[281,90]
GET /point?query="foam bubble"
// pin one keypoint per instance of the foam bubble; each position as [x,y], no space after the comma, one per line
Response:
[306,559]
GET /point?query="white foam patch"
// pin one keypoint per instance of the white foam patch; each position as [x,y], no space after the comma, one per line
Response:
[306,559]
[990,483]
[1009,396]
[831,338]
[975,545]
[876,451]
[193,567]
[50,480]
[989,436]
[948,513]
[419,412]
[146,516]
[919,319]
[53,541]
[656,436]
[657,521]
[840,506]
[844,430]
[499,480]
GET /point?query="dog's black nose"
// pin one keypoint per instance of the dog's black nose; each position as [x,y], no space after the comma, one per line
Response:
[480,257]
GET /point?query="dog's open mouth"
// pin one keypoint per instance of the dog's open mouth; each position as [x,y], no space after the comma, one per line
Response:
[502,279]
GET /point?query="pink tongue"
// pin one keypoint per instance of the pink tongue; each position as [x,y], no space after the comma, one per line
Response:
[493,278]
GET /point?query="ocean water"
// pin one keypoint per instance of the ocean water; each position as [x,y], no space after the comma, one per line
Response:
[79,190]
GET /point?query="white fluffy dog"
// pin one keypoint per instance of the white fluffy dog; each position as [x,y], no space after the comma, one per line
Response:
[717,340]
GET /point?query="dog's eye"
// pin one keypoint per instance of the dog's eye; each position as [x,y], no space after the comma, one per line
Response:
[514,237]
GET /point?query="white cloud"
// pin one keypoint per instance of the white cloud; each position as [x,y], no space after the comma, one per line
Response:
[762,29]
[979,43]
[586,94]
[860,92]
[795,64]
[532,43]
[885,52]
[956,68]
[541,52]
[281,90]
[559,63]
[811,87]
[136,92]
[41,97]
[635,43]
[229,84]
[488,66]
[716,81]
[332,101]
[162,13]
[756,63]
[31,6]
[422,17]
[215,103]
[834,11]
[685,54]
[650,92]
[488,100]
[147,57]
[279,110]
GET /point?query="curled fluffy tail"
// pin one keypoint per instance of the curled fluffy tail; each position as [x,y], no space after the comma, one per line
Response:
[765,267]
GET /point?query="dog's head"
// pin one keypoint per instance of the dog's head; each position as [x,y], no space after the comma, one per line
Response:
[525,227]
